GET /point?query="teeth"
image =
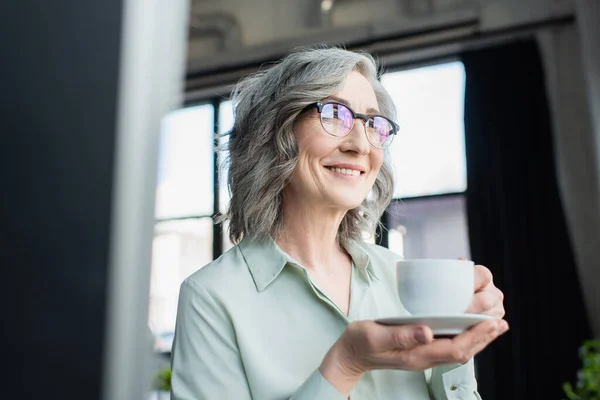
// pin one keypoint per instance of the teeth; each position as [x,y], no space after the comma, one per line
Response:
[345,171]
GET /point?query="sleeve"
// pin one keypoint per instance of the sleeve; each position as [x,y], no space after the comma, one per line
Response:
[454,382]
[206,363]
[317,388]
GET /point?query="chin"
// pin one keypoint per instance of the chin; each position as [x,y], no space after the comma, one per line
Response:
[348,205]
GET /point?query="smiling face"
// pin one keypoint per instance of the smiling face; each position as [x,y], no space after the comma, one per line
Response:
[336,172]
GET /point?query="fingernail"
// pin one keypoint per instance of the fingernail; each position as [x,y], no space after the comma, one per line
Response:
[420,335]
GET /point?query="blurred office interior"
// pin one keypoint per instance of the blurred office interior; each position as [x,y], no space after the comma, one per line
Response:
[111,184]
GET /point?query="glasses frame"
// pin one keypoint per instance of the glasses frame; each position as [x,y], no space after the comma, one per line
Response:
[320,104]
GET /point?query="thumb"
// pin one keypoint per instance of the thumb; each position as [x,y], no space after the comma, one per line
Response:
[407,336]
[483,277]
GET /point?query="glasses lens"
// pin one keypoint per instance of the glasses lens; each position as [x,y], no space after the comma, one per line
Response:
[379,131]
[336,119]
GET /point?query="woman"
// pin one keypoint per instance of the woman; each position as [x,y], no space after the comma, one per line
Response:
[288,312]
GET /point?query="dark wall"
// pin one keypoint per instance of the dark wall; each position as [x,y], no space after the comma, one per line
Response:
[58,85]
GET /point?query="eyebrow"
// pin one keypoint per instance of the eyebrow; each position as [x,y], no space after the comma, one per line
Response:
[341,100]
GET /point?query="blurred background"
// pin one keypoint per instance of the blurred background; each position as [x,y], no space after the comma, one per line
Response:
[111,183]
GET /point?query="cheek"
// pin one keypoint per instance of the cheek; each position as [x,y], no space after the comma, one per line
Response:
[376,163]
[308,167]
[377,160]
[314,147]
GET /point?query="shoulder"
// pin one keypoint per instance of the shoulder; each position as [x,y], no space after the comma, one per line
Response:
[382,259]
[379,253]
[227,274]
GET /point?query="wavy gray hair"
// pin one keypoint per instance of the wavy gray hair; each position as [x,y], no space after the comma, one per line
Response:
[262,148]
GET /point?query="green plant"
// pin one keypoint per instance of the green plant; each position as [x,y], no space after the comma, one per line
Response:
[162,380]
[588,377]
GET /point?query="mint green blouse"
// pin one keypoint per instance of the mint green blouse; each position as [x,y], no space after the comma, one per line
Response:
[253,325]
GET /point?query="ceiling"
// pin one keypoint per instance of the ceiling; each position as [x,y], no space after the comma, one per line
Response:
[228,37]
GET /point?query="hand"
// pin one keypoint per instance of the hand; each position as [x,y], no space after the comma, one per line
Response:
[488,298]
[367,345]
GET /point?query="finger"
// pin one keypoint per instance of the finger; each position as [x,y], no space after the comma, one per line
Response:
[483,277]
[474,340]
[485,301]
[489,302]
[387,338]
[450,351]
[408,336]
[497,312]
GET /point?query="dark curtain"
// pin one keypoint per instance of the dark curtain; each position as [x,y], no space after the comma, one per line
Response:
[517,226]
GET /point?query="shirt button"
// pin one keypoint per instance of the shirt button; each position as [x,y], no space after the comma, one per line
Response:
[453,387]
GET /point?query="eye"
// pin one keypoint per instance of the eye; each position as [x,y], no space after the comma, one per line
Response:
[336,119]
[379,131]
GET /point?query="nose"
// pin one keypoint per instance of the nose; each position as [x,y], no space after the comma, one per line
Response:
[356,140]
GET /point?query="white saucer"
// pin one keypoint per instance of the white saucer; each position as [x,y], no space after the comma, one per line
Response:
[439,324]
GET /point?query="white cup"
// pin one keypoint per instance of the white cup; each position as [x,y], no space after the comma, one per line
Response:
[435,286]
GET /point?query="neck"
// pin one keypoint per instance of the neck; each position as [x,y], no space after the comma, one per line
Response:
[311,236]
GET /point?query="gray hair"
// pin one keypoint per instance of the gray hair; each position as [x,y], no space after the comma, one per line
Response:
[262,147]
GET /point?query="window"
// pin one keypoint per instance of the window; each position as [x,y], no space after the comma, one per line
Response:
[225,125]
[185,172]
[183,234]
[429,227]
[179,248]
[428,158]
[429,152]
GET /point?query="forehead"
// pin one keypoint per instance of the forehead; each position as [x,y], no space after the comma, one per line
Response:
[358,93]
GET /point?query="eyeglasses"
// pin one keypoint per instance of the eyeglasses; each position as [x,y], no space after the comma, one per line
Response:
[338,120]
